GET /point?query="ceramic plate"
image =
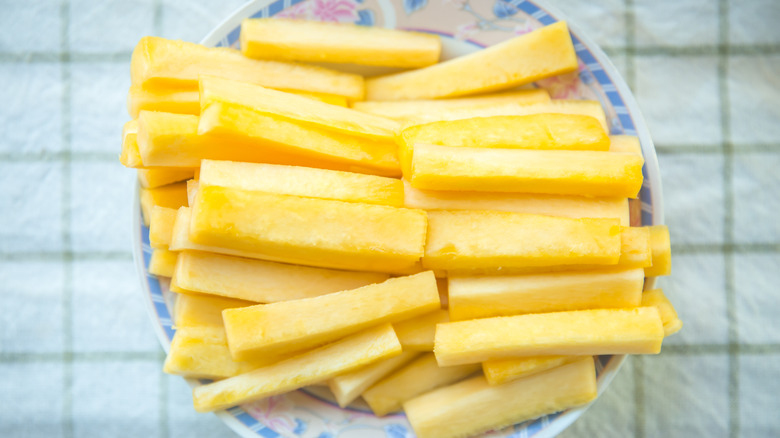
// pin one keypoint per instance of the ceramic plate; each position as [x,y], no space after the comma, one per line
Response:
[464,26]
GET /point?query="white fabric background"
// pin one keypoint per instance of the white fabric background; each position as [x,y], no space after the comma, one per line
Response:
[78,357]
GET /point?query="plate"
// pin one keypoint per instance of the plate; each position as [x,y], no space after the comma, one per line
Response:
[465,26]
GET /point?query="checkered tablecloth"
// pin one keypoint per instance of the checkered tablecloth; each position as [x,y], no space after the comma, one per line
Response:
[78,356]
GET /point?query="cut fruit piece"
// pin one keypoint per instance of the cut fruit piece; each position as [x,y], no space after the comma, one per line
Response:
[408,109]
[162,262]
[202,353]
[130,156]
[169,100]
[303,181]
[484,297]
[661,250]
[180,237]
[268,329]
[671,321]
[192,190]
[312,41]
[521,60]
[441,283]
[550,205]
[575,333]
[170,196]
[590,108]
[180,241]
[473,406]
[416,378]
[161,63]
[347,387]
[161,227]
[417,334]
[625,144]
[315,232]
[635,248]
[308,368]
[202,310]
[261,281]
[634,253]
[581,173]
[330,99]
[281,141]
[501,371]
[172,140]
[533,131]
[151,178]
[295,108]
[496,239]
[187,101]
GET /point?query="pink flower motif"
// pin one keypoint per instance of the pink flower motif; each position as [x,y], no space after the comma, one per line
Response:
[523,28]
[335,10]
[273,412]
[300,11]
[568,86]
[467,30]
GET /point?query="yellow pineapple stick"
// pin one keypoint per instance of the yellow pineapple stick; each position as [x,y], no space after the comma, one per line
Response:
[403,110]
[202,310]
[533,131]
[500,371]
[265,329]
[494,239]
[550,205]
[625,144]
[192,190]
[635,252]
[170,196]
[311,41]
[130,155]
[662,252]
[202,353]
[161,227]
[187,101]
[296,108]
[173,141]
[557,172]
[315,366]
[262,281]
[590,108]
[167,100]
[151,178]
[348,386]
[162,262]
[543,53]
[285,141]
[671,321]
[473,406]
[161,63]
[417,334]
[303,181]
[573,333]
[199,347]
[416,378]
[352,236]
[484,297]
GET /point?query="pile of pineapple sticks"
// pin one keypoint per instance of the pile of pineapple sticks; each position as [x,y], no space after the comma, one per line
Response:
[299,258]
